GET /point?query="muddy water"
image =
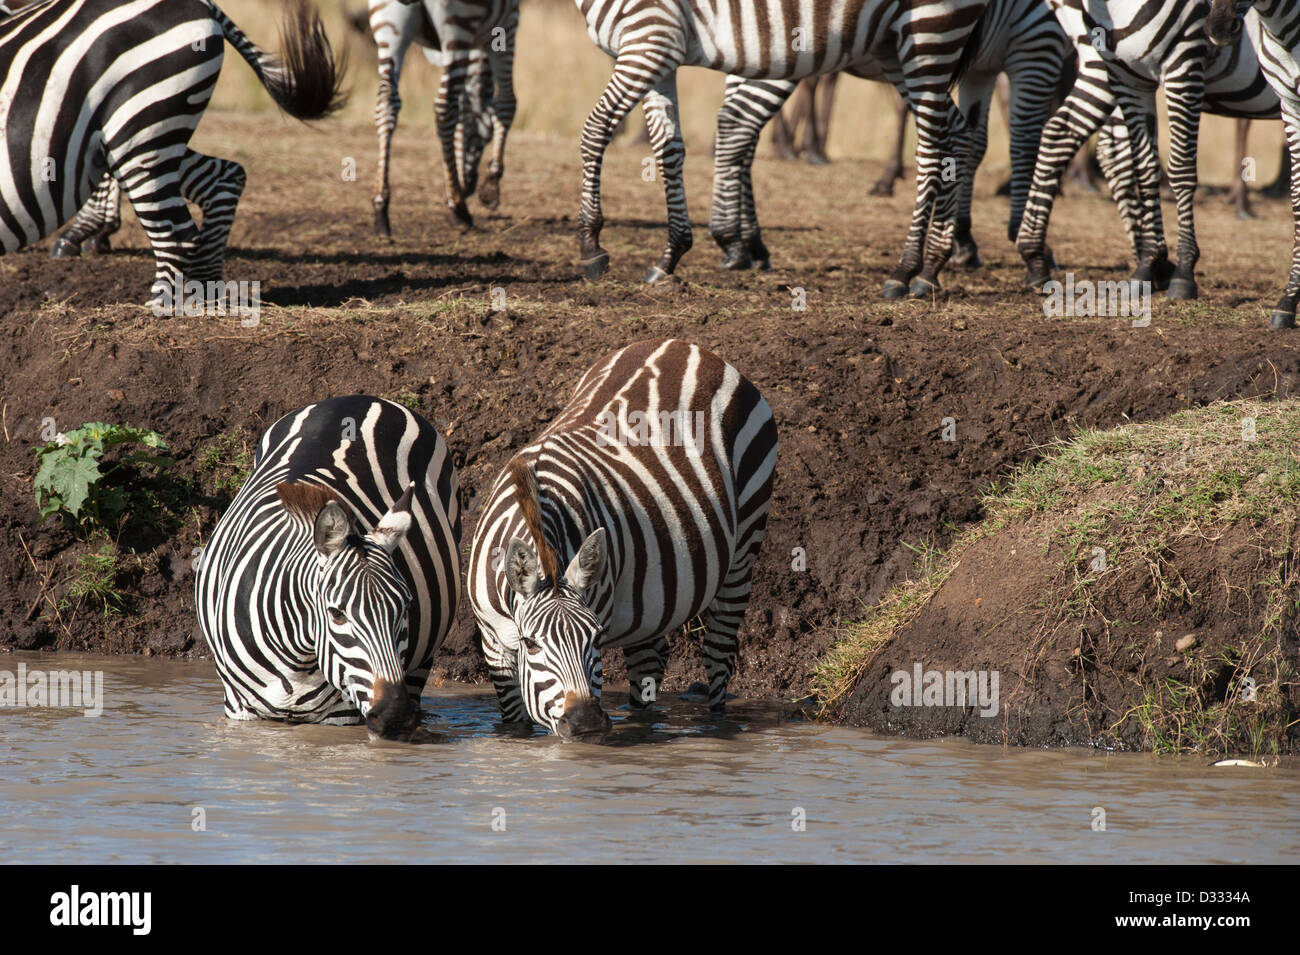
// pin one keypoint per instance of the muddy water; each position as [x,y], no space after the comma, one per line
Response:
[127,786]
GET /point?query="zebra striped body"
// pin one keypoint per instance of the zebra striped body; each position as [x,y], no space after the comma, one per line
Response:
[658,520]
[1275,32]
[1127,48]
[473,41]
[1019,37]
[123,84]
[778,40]
[311,633]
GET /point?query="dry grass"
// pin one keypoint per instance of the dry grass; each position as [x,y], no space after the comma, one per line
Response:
[553,39]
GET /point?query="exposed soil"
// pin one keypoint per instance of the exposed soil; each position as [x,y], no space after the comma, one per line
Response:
[860,388]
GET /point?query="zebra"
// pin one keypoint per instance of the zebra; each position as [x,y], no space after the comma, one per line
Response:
[780,40]
[310,616]
[474,42]
[129,110]
[651,488]
[1274,27]
[1020,37]
[1126,48]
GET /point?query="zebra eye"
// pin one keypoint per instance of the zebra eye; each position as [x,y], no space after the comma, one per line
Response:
[531,645]
[337,616]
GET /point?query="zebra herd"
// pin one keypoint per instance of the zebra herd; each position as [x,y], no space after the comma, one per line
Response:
[124,83]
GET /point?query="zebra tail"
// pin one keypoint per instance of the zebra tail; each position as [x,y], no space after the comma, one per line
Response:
[305,80]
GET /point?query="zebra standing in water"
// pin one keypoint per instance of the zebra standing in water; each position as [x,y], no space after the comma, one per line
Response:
[1276,34]
[652,488]
[153,69]
[310,616]
[1019,37]
[476,40]
[782,40]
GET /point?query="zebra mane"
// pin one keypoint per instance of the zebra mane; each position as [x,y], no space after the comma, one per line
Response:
[528,498]
[306,500]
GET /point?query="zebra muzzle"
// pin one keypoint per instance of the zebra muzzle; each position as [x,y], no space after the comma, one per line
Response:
[582,719]
[391,713]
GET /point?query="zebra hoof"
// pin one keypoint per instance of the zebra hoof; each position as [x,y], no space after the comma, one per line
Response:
[99,245]
[460,215]
[967,256]
[64,249]
[490,194]
[922,288]
[1051,261]
[736,258]
[382,228]
[762,265]
[1282,319]
[659,278]
[1182,289]
[596,266]
[893,289]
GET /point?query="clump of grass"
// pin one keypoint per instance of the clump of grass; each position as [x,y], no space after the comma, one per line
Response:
[96,583]
[228,460]
[1131,496]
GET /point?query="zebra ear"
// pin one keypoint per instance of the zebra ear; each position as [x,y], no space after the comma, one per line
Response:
[392,527]
[522,571]
[330,529]
[590,561]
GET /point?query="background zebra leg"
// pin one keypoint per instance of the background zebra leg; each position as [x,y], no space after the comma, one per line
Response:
[510,696]
[1082,113]
[503,116]
[100,242]
[474,127]
[953,142]
[660,107]
[1153,265]
[1284,312]
[454,69]
[91,220]
[387,107]
[1029,105]
[894,166]
[975,99]
[733,223]
[214,185]
[1183,97]
[1116,160]
[645,672]
[634,77]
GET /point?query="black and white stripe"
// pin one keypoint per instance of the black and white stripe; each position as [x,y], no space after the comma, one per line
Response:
[657,522]
[473,41]
[120,87]
[1019,37]
[925,41]
[1273,26]
[334,576]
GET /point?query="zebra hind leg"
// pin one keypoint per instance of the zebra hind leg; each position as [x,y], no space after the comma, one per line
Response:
[645,672]
[1285,310]
[1184,101]
[95,221]
[665,130]
[214,185]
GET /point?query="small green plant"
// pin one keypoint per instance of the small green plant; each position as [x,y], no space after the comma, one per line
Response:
[229,462]
[73,480]
[96,582]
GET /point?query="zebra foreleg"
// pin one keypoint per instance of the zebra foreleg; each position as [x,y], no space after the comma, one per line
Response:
[387,107]
[975,98]
[661,121]
[645,672]
[636,73]
[448,109]
[503,114]
[510,696]
[1284,312]
[937,227]
[1183,98]
[746,106]
[1153,265]
[1116,161]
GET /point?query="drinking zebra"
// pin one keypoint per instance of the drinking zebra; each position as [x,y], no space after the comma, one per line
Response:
[1275,31]
[1019,37]
[780,40]
[651,489]
[129,110]
[333,577]
[474,43]
[1126,48]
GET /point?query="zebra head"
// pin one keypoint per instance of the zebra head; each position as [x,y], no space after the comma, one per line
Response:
[1224,21]
[361,599]
[559,638]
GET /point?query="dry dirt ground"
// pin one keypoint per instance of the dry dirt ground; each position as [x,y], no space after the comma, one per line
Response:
[860,388]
